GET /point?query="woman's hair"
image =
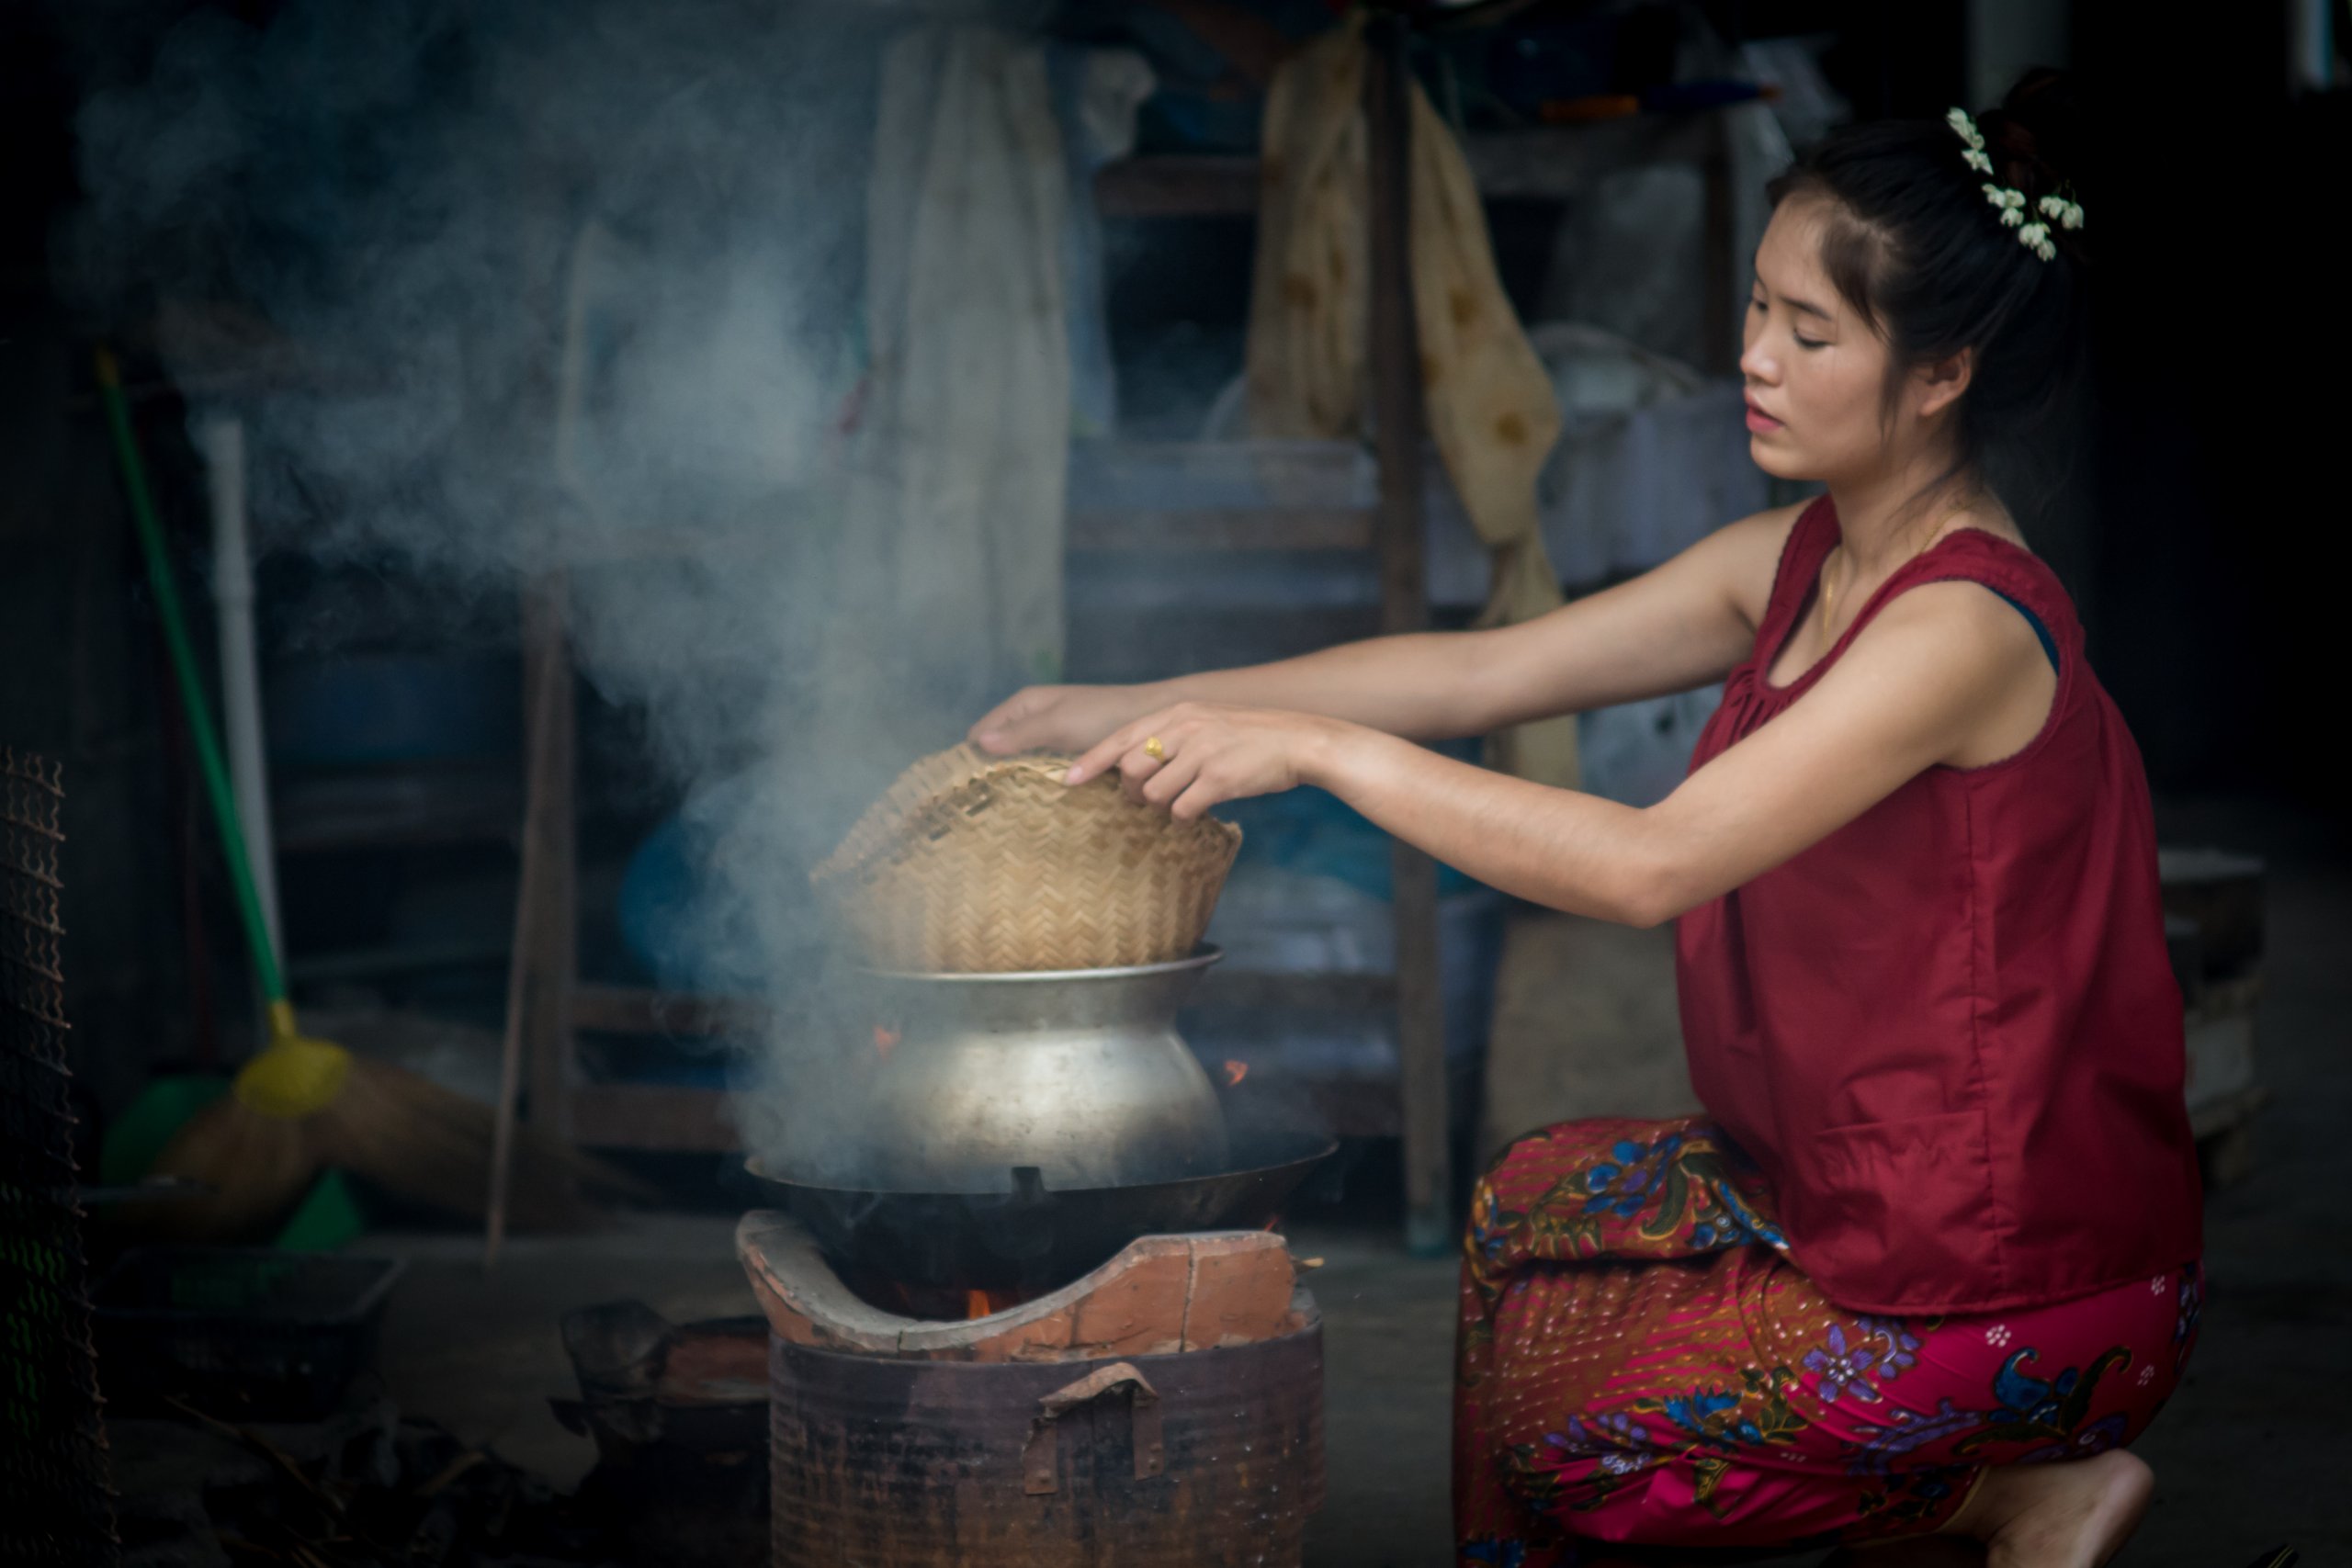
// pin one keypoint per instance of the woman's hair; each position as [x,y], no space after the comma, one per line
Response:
[1915,246]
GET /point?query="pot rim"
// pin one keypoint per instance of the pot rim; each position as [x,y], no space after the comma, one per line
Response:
[1200,958]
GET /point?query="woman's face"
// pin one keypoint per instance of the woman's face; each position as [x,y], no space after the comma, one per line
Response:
[1816,371]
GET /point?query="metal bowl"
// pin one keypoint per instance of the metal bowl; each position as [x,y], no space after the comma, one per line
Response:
[1078,1075]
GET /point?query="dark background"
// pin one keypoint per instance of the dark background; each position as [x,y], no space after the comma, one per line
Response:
[2208,574]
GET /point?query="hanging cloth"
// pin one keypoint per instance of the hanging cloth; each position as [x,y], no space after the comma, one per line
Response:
[949,569]
[1490,400]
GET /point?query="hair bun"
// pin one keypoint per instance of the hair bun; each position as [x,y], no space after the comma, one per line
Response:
[2036,135]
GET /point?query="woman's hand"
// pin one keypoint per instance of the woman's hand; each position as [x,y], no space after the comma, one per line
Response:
[1057,718]
[1209,753]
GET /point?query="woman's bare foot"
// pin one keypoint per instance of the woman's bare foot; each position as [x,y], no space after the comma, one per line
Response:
[2072,1515]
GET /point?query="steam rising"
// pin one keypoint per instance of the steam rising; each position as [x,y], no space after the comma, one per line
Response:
[500,287]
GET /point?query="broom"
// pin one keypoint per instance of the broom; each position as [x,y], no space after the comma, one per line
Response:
[300,1104]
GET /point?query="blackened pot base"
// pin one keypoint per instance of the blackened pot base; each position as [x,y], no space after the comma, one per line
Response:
[1027,1237]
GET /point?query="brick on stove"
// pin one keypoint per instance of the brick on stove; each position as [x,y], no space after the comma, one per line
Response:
[1161,1294]
[804,1301]
[1133,1305]
[1242,1290]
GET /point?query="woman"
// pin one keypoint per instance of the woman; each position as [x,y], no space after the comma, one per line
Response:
[1941,1222]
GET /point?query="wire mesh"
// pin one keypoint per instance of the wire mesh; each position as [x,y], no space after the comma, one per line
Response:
[56,1501]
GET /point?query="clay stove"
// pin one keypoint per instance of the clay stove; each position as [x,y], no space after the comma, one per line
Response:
[1164,1408]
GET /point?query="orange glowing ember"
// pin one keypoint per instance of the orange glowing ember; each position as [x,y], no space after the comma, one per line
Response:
[884,1039]
[1235,1072]
[976,1305]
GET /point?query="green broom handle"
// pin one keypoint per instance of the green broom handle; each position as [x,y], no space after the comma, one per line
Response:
[199,712]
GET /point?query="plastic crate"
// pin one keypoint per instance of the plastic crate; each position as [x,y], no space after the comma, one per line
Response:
[237,1331]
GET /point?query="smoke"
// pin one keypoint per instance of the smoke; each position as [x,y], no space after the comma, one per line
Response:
[503,286]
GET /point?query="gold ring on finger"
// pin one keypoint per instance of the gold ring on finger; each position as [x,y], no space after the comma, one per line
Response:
[1154,749]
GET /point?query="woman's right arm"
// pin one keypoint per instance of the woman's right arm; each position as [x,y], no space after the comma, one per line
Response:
[1678,626]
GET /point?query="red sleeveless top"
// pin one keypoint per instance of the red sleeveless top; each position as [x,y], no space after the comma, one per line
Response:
[1949,1033]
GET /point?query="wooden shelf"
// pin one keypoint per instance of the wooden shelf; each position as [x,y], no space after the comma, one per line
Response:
[406,807]
[1222,528]
[651,1117]
[1541,163]
[630,1009]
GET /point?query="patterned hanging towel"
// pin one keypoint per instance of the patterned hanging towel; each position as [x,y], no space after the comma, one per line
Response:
[1490,405]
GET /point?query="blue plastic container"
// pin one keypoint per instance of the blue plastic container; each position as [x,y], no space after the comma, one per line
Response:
[373,708]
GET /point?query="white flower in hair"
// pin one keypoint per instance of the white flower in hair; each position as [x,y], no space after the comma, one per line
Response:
[2069,214]
[2009,201]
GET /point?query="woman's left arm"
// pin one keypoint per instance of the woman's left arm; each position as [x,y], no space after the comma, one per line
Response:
[1940,671]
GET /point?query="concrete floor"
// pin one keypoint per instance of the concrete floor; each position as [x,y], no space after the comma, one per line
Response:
[2251,1452]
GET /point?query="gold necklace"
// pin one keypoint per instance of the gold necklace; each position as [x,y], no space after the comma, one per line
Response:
[1829,589]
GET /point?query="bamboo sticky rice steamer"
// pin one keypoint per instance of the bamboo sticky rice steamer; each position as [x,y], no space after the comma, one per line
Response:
[974,863]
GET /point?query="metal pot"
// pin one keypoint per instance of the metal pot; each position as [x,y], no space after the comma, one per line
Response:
[1077,1073]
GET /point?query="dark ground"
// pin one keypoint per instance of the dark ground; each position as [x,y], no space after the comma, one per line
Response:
[2252,1451]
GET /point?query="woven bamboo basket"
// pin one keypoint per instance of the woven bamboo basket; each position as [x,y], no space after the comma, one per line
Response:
[974,863]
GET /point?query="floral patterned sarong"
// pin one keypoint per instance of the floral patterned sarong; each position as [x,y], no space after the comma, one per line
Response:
[1639,1362]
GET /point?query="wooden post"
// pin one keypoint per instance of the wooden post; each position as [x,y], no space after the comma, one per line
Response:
[547,688]
[1396,408]
[548,942]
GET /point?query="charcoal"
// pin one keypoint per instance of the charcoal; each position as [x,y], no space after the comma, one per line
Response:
[362,1489]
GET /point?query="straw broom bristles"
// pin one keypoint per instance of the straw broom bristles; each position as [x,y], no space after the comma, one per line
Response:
[256,1166]
[431,1146]
[259,1149]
